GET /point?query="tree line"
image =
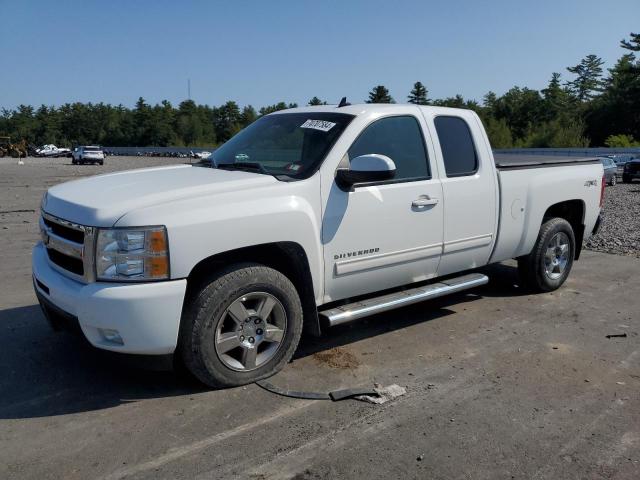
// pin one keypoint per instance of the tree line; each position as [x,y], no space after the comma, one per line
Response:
[590,108]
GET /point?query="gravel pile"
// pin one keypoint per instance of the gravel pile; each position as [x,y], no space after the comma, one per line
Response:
[620,232]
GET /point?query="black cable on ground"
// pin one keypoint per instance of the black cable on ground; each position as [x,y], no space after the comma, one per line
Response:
[334,396]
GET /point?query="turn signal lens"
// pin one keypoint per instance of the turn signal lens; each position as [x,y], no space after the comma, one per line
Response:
[158,267]
[157,241]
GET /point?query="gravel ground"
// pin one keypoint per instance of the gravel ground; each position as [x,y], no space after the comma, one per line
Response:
[620,232]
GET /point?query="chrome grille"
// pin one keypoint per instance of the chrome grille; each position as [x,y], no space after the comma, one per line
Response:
[70,247]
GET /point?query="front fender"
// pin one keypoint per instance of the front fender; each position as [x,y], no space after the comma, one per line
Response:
[201,227]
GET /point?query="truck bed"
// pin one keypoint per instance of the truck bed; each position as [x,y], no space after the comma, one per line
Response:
[512,161]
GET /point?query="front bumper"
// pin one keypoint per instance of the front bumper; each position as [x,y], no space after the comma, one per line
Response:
[145,315]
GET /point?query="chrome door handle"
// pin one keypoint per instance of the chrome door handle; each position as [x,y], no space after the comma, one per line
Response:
[424,201]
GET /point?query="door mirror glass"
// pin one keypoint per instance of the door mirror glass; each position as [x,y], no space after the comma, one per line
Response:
[366,168]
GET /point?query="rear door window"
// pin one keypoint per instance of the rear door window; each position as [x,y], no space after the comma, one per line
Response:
[458,151]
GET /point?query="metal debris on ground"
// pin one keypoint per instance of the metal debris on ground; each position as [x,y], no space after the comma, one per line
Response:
[383,394]
[617,335]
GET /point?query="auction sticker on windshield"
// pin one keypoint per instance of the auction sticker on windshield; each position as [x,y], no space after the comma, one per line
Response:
[321,125]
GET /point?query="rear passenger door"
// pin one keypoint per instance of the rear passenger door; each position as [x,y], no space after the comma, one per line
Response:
[469,188]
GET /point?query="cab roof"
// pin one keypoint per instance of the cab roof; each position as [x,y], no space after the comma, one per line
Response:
[365,108]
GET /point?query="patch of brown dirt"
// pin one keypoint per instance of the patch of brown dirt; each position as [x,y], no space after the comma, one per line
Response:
[337,358]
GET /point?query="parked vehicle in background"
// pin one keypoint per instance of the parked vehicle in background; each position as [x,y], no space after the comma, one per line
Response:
[621,158]
[610,170]
[201,155]
[631,171]
[309,217]
[50,150]
[87,154]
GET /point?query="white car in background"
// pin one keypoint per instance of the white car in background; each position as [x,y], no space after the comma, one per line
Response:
[87,154]
[201,155]
[50,150]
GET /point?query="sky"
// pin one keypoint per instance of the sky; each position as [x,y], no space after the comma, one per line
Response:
[263,52]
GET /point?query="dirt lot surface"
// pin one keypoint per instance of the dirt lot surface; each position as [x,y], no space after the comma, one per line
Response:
[500,384]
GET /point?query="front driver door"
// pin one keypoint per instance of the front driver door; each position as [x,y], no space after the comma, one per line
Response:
[386,234]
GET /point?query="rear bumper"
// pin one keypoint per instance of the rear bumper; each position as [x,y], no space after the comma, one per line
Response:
[146,316]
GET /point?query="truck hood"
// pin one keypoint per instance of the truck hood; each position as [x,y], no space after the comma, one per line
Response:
[101,200]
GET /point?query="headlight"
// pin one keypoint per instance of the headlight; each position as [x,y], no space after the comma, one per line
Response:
[132,254]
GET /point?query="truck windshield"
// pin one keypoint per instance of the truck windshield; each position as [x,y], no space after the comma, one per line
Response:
[287,144]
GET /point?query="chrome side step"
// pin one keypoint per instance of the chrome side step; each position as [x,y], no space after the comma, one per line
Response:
[354,311]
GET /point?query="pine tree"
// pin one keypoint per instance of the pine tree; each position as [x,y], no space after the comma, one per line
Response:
[633,44]
[228,121]
[419,94]
[316,101]
[489,101]
[380,94]
[557,99]
[618,108]
[248,115]
[588,77]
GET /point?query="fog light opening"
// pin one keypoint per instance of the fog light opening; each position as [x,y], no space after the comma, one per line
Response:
[111,336]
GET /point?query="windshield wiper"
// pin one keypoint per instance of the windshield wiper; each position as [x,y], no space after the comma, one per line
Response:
[203,163]
[245,167]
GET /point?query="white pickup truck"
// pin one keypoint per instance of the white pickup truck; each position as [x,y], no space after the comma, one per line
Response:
[309,217]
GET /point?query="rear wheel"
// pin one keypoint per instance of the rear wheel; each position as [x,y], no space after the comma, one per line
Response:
[242,325]
[613,180]
[548,265]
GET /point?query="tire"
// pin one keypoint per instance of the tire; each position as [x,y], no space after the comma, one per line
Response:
[221,342]
[613,181]
[626,179]
[101,162]
[555,243]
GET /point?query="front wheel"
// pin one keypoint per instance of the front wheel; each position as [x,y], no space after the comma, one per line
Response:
[548,265]
[242,325]
[613,181]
